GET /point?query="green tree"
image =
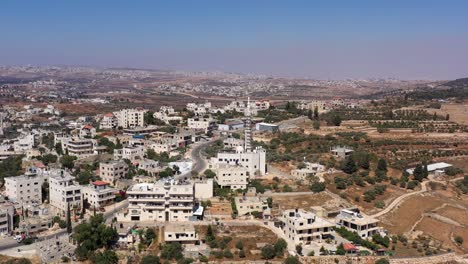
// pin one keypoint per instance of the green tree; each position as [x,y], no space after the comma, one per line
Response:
[69,223]
[280,246]
[382,261]
[150,259]
[268,252]
[68,161]
[299,249]
[418,173]
[316,125]
[316,113]
[58,148]
[291,260]
[336,120]
[172,251]
[382,165]
[106,257]
[349,166]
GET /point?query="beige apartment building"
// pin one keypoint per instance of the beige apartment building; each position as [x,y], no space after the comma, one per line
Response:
[99,194]
[303,227]
[64,191]
[365,226]
[163,201]
[232,176]
[113,170]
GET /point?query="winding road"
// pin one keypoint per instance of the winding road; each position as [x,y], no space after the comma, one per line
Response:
[403,197]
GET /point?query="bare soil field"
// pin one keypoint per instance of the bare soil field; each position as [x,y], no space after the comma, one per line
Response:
[455,213]
[247,234]
[402,219]
[219,208]
[281,203]
[443,232]
[351,192]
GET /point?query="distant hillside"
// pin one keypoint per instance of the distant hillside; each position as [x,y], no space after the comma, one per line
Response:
[453,89]
[463,82]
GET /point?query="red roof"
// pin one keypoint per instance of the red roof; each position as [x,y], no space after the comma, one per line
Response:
[349,247]
[39,164]
[100,183]
[109,115]
[87,127]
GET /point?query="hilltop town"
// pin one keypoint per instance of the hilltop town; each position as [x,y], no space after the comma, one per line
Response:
[140,166]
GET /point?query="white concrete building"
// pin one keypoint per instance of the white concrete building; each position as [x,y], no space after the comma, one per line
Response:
[24,143]
[63,190]
[25,188]
[309,171]
[99,194]
[254,161]
[108,121]
[303,227]
[131,153]
[163,201]
[248,204]
[113,170]
[201,123]
[232,176]
[80,148]
[181,233]
[203,189]
[364,225]
[127,118]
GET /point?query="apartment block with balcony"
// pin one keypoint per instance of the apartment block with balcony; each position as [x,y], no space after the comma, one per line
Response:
[64,190]
[303,227]
[365,226]
[80,148]
[99,194]
[113,170]
[163,201]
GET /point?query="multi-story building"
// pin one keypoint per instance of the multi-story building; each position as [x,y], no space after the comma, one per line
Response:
[312,105]
[201,123]
[365,226]
[303,227]
[127,118]
[111,171]
[80,148]
[131,153]
[233,176]
[308,172]
[25,188]
[7,212]
[108,121]
[99,194]
[64,191]
[248,204]
[254,161]
[163,201]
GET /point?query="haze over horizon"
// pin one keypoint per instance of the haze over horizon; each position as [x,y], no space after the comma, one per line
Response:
[326,40]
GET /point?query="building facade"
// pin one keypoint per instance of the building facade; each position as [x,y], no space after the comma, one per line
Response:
[303,227]
[113,170]
[98,194]
[64,191]
[163,201]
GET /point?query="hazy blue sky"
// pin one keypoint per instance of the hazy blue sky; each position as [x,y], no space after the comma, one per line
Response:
[406,39]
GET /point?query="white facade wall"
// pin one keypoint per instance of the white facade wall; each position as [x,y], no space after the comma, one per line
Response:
[63,190]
